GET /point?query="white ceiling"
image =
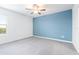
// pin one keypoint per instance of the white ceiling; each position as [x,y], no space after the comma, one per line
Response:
[50,8]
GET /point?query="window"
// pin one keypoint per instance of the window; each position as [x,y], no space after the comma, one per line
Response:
[2,24]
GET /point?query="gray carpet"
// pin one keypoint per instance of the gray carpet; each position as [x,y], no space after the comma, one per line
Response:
[37,46]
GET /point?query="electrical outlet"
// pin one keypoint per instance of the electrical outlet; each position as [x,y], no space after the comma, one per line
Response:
[62,36]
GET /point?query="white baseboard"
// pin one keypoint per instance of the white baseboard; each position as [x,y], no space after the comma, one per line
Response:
[53,39]
[75,46]
[4,42]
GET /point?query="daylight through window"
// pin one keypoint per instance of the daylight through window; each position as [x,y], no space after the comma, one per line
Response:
[2,24]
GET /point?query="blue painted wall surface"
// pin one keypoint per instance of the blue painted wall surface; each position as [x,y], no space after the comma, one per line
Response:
[54,25]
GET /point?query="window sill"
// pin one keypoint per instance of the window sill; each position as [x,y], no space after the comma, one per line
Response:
[1,35]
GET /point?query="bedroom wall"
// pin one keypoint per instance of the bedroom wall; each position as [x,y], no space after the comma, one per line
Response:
[18,26]
[57,25]
[75,32]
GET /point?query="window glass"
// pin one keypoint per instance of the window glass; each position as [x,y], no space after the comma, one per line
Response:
[2,24]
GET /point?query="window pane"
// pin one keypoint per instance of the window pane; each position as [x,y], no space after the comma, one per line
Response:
[2,24]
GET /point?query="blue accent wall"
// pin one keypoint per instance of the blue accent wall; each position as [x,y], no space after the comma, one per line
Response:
[57,25]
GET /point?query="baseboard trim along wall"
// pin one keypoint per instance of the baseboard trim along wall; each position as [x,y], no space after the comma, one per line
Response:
[53,39]
[76,47]
[15,40]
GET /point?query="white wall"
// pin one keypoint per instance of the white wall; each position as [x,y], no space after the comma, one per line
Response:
[75,34]
[18,26]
